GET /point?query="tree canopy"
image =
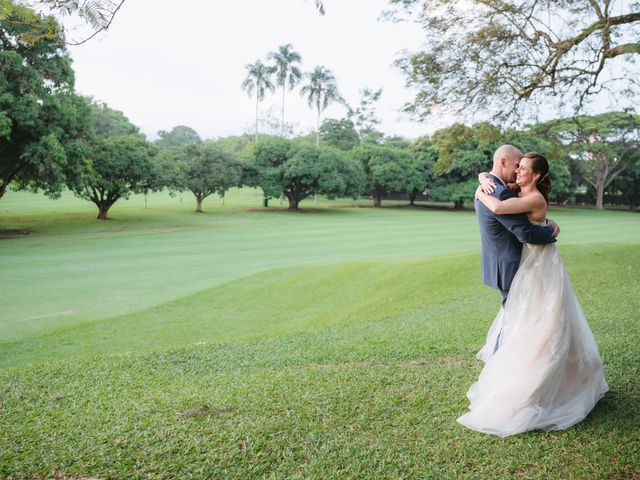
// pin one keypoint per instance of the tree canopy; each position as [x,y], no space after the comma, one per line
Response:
[387,170]
[118,167]
[203,169]
[300,170]
[98,14]
[507,57]
[340,134]
[604,144]
[41,118]
[177,136]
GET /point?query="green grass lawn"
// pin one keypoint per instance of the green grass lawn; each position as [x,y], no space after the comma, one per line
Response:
[259,343]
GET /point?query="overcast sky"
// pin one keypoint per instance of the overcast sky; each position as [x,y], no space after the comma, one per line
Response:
[166,63]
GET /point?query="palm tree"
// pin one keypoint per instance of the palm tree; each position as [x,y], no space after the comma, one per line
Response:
[287,72]
[258,79]
[321,91]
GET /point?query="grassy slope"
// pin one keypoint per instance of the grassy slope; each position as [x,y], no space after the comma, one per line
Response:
[73,269]
[373,397]
[350,359]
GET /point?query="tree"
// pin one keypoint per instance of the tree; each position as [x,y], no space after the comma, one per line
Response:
[301,170]
[240,146]
[258,79]
[396,141]
[108,122]
[509,56]
[41,119]
[288,74]
[339,134]
[203,169]
[118,167]
[177,136]
[98,14]
[425,156]
[386,170]
[627,184]
[321,91]
[463,152]
[364,117]
[603,143]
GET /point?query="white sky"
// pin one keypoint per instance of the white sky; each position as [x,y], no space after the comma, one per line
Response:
[166,63]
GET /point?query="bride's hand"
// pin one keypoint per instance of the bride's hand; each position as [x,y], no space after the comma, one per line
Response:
[487,185]
[479,190]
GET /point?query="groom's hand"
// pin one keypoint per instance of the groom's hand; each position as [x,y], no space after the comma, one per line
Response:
[556,227]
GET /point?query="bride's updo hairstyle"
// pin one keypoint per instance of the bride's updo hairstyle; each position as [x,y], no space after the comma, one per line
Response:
[540,165]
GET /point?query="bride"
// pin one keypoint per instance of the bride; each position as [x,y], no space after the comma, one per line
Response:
[546,372]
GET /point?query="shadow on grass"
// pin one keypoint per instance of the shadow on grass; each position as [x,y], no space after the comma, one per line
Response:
[13,233]
[617,409]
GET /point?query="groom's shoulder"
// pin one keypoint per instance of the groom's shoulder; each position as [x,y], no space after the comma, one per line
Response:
[503,193]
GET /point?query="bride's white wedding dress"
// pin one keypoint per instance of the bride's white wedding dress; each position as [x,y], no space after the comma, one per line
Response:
[546,372]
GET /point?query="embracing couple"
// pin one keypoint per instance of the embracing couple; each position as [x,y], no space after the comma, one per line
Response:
[542,366]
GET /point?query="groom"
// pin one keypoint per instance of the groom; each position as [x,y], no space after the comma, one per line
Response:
[503,235]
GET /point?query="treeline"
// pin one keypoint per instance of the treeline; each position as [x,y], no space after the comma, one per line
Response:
[52,139]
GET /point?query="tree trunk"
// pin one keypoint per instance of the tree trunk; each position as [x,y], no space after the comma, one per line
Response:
[600,196]
[377,200]
[199,203]
[103,208]
[458,204]
[145,200]
[293,202]
[412,196]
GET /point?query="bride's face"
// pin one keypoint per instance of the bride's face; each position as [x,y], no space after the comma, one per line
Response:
[525,174]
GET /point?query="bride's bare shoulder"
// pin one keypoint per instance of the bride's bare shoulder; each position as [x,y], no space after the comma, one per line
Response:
[534,196]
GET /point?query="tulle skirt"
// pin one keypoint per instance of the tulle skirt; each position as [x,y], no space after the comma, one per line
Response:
[546,372]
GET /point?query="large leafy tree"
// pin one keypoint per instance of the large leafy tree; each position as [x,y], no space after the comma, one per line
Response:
[258,80]
[604,145]
[463,152]
[203,169]
[286,67]
[387,170]
[41,119]
[321,90]
[300,170]
[508,56]
[119,166]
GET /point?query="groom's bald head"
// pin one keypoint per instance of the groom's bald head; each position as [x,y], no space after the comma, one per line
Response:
[505,162]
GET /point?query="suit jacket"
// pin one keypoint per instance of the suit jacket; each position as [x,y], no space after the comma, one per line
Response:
[502,238]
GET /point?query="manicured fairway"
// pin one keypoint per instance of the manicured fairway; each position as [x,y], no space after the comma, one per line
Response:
[73,269]
[252,343]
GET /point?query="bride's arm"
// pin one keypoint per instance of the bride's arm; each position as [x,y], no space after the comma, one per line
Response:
[511,205]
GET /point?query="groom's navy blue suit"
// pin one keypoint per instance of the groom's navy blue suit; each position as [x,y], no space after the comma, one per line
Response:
[502,238]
